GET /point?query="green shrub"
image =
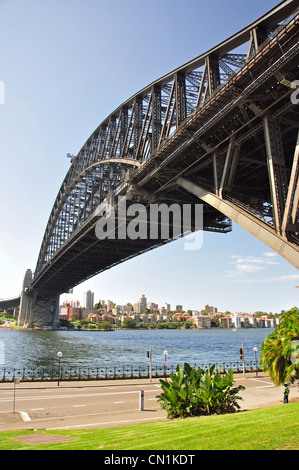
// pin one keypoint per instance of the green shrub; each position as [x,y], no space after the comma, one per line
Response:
[195,392]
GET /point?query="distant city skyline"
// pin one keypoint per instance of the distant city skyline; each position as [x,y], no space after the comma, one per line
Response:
[59,86]
[89,301]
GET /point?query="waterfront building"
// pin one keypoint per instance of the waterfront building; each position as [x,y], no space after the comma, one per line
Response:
[252,322]
[236,320]
[225,322]
[201,321]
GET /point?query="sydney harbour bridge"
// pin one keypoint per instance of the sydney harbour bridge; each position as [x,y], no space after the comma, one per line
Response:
[221,130]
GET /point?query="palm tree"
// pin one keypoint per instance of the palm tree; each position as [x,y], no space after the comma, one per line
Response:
[279,351]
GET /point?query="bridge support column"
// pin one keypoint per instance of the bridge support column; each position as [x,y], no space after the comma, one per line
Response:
[25,303]
[249,222]
[37,310]
[44,311]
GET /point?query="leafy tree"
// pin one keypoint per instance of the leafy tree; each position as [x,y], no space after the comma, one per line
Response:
[215,322]
[105,325]
[195,392]
[129,323]
[279,351]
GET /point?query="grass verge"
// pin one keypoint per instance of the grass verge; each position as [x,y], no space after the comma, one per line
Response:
[273,428]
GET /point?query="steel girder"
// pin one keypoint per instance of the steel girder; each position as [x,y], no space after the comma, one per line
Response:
[215,120]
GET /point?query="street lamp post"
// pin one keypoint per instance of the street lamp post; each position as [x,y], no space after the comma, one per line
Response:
[165,362]
[255,351]
[59,355]
[149,355]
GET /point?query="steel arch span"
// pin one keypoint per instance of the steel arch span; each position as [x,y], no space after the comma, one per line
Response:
[221,130]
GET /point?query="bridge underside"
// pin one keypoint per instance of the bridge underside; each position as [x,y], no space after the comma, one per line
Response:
[10,304]
[84,254]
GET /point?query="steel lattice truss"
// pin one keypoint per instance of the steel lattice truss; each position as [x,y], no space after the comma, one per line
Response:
[126,139]
[210,121]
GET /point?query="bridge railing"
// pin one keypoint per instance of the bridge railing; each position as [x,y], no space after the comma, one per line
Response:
[111,372]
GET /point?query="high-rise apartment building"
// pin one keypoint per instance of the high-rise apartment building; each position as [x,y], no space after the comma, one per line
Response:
[88,299]
[140,307]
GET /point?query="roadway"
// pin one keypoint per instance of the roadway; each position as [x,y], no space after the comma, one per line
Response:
[94,404]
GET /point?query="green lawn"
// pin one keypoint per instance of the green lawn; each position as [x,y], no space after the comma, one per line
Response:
[263,429]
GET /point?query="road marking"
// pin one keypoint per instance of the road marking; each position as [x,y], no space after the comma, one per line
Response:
[116,402]
[77,406]
[261,381]
[37,409]
[266,386]
[25,416]
[80,395]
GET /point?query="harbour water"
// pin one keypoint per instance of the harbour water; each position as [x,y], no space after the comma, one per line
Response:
[33,349]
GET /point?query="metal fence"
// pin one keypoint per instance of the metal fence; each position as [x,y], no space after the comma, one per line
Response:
[110,372]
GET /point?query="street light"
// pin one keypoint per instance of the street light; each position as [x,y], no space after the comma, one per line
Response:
[165,361]
[255,351]
[59,355]
[149,355]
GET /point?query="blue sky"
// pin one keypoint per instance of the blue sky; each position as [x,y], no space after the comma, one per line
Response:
[66,65]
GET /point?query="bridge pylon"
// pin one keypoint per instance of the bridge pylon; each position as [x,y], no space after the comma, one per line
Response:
[37,309]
